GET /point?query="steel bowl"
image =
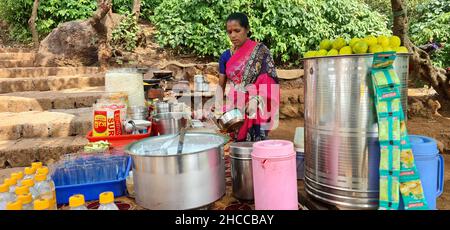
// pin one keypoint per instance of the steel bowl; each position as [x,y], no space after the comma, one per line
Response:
[231,120]
[192,179]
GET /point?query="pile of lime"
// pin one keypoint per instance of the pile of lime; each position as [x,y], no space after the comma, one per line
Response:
[95,147]
[369,44]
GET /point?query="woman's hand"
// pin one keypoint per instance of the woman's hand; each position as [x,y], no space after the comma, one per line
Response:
[251,108]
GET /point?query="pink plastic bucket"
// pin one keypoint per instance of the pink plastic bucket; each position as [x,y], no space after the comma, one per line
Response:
[274,175]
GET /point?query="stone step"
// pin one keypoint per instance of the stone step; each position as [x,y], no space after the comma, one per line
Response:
[38,124]
[20,153]
[16,63]
[15,50]
[10,85]
[17,56]
[47,100]
[36,72]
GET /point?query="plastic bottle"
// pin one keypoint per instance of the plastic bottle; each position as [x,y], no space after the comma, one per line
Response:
[76,202]
[36,165]
[45,190]
[16,205]
[12,182]
[44,170]
[27,201]
[107,201]
[5,196]
[18,176]
[22,190]
[29,173]
[32,186]
[41,204]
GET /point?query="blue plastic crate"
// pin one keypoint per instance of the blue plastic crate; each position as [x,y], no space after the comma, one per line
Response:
[92,191]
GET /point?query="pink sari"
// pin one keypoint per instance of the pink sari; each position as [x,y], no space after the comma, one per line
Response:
[252,73]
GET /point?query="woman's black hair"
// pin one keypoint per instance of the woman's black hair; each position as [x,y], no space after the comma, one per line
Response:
[242,19]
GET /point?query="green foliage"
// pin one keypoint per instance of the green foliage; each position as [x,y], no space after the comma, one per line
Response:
[53,12]
[433,24]
[147,7]
[384,7]
[122,6]
[125,36]
[50,14]
[17,13]
[287,27]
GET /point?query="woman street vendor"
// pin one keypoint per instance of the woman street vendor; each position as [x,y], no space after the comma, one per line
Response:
[249,68]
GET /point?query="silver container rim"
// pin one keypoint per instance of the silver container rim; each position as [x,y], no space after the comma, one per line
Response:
[183,115]
[129,146]
[352,55]
[241,150]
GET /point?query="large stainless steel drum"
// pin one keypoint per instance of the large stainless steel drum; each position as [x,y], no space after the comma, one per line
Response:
[341,133]
[164,179]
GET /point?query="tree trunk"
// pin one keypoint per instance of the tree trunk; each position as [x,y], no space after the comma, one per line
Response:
[137,8]
[104,50]
[420,60]
[32,24]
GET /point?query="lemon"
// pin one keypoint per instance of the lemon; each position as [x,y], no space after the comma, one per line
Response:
[371,40]
[401,49]
[345,50]
[387,49]
[360,47]
[326,44]
[310,53]
[354,41]
[375,48]
[332,52]
[394,42]
[339,43]
[383,41]
[321,53]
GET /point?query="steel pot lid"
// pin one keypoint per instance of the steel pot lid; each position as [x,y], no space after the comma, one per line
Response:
[193,143]
[241,150]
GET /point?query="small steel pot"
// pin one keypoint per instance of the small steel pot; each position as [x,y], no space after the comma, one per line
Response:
[176,107]
[241,170]
[137,112]
[198,78]
[170,123]
[162,107]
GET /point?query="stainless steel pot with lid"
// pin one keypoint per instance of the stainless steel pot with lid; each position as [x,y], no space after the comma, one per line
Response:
[167,180]
[241,170]
[341,131]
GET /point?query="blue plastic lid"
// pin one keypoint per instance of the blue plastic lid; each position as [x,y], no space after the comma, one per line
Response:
[422,145]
